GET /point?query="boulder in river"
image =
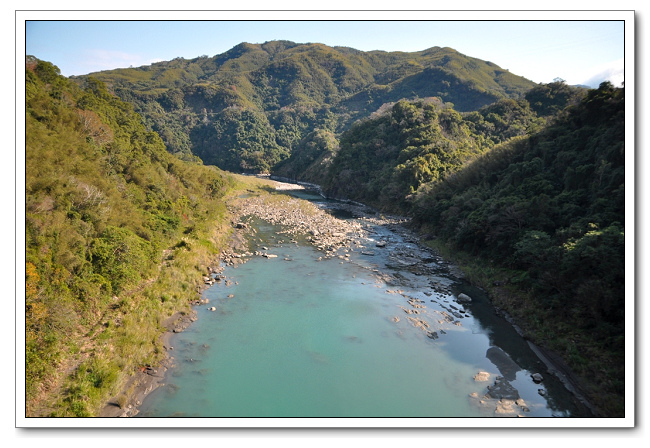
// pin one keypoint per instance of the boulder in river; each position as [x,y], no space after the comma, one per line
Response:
[505,407]
[464,298]
[537,377]
[482,376]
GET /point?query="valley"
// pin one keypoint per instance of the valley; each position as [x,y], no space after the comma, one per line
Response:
[134,192]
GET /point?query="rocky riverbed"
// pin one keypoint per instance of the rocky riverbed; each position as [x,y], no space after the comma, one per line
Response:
[398,261]
[410,263]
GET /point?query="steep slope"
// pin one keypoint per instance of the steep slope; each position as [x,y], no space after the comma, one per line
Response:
[544,215]
[118,233]
[532,203]
[282,91]
[384,159]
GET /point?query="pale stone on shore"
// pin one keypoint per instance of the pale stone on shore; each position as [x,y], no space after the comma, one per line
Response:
[482,376]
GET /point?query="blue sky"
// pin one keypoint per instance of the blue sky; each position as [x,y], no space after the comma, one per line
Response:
[578,51]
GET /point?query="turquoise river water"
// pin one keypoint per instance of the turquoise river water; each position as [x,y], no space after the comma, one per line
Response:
[295,336]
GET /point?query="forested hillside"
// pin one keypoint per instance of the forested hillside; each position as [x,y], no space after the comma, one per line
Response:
[118,232]
[249,108]
[523,185]
[384,159]
[532,190]
[545,215]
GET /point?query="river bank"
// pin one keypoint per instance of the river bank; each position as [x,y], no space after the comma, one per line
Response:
[339,238]
[298,217]
[330,234]
[148,378]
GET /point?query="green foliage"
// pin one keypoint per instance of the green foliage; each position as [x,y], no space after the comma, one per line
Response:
[282,91]
[104,200]
[239,140]
[122,256]
[502,121]
[550,99]
[385,159]
[549,208]
[312,157]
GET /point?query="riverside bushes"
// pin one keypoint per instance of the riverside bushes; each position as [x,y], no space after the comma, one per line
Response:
[106,208]
[548,209]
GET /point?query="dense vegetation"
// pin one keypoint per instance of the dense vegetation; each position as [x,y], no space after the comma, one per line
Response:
[523,184]
[311,159]
[117,233]
[384,159]
[537,202]
[249,108]
[549,211]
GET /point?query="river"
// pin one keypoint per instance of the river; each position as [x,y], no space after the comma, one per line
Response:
[375,329]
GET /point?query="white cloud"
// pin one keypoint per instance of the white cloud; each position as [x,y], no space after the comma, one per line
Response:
[613,72]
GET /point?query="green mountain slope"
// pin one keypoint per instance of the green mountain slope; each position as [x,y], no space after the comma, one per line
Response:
[282,91]
[535,201]
[118,233]
[545,215]
[384,159]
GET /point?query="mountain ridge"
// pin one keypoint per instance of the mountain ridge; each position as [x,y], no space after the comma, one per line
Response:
[289,90]
[531,189]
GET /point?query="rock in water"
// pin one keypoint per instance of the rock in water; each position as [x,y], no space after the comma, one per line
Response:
[482,376]
[505,406]
[464,298]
